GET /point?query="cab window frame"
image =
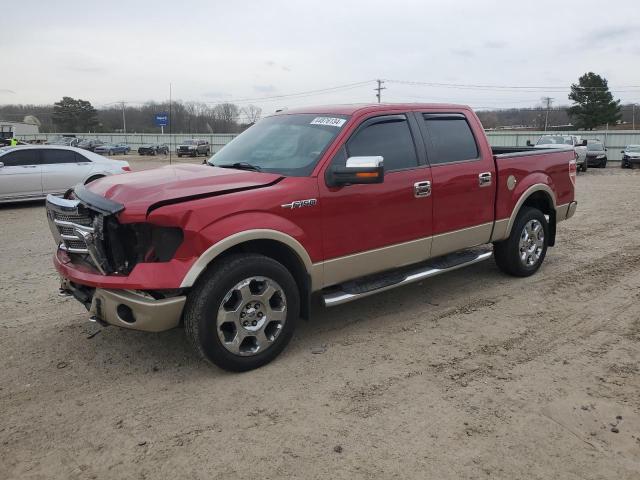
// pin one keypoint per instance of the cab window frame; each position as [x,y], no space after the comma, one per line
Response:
[428,137]
[405,117]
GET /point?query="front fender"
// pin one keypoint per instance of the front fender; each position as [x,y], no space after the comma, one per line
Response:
[228,232]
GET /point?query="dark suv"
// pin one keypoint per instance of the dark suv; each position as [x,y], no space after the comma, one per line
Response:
[596,154]
[194,148]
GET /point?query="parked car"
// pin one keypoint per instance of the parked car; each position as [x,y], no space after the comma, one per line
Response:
[111,149]
[194,148]
[564,141]
[153,149]
[31,172]
[90,145]
[630,156]
[344,201]
[65,141]
[596,154]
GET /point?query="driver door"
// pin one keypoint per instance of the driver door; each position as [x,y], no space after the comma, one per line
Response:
[375,227]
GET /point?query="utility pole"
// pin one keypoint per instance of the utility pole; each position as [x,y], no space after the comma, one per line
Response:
[124,120]
[379,89]
[633,116]
[548,100]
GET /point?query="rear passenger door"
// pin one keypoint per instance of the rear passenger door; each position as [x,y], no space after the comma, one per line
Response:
[463,191]
[20,174]
[62,169]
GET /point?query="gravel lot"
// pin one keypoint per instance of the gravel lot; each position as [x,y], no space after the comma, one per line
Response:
[469,375]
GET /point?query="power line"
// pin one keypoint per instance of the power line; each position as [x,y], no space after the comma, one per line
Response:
[463,86]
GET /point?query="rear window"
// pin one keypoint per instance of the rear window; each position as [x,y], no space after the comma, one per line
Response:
[451,138]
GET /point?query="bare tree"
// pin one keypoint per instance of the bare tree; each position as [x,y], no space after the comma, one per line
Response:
[252,113]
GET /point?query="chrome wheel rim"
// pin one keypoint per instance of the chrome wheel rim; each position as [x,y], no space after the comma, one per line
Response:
[531,243]
[251,316]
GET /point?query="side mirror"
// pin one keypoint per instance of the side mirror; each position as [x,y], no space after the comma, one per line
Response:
[583,143]
[606,149]
[357,170]
[529,144]
[621,151]
[1,164]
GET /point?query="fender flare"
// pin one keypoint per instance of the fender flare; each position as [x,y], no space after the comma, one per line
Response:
[225,244]
[538,187]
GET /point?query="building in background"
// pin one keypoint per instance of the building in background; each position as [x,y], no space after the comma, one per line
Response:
[17,129]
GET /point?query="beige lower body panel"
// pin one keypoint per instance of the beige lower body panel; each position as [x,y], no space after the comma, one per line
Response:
[358,265]
[460,239]
[149,314]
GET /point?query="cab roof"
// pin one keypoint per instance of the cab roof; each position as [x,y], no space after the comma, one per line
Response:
[351,109]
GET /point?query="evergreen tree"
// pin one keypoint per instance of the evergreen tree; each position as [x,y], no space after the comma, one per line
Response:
[594,105]
[71,115]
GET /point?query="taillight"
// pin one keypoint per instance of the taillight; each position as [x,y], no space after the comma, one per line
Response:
[126,169]
[573,170]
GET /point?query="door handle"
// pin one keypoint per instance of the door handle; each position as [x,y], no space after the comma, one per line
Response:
[484,179]
[422,189]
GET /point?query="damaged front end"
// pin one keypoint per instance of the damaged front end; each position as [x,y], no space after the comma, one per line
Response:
[85,225]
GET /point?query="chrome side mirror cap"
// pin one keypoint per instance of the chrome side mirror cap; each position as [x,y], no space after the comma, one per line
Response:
[357,170]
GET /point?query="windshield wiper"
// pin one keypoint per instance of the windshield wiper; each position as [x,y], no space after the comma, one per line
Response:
[240,166]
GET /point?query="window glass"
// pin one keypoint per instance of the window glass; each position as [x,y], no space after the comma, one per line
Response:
[20,158]
[451,139]
[390,139]
[52,156]
[594,146]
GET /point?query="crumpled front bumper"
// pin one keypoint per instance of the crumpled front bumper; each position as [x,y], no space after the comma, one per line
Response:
[128,309]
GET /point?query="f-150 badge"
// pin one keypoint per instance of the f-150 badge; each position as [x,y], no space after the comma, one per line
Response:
[300,203]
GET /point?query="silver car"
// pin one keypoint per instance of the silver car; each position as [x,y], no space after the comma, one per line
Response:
[32,172]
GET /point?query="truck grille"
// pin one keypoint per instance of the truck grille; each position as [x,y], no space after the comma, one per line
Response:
[70,223]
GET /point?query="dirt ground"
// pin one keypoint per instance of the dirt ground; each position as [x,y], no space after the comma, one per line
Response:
[469,375]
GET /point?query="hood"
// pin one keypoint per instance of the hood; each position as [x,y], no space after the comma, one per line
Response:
[140,192]
[631,154]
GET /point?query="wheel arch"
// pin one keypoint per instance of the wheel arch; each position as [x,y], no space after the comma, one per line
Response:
[271,243]
[538,196]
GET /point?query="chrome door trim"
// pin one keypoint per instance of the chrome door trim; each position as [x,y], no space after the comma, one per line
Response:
[484,179]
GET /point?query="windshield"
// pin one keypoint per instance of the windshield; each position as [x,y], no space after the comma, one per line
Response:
[554,140]
[285,144]
[594,146]
[189,142]
[633,148]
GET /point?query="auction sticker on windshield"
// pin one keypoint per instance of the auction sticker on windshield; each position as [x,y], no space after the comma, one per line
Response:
[334,122]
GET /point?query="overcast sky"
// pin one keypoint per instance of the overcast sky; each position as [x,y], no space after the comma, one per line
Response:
[237,51]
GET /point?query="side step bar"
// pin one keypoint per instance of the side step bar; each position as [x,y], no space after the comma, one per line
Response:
[354,291]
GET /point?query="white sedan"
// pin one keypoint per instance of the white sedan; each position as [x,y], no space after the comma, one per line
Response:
[32,172]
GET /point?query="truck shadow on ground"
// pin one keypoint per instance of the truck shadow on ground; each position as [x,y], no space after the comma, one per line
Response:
[114,351]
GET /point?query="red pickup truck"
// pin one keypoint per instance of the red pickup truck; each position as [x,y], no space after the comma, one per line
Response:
[343,201]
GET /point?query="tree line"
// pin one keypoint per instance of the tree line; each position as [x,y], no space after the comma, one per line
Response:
[77,115]
[593,107]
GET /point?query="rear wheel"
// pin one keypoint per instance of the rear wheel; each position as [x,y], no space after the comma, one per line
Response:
[243,312]
[524,251]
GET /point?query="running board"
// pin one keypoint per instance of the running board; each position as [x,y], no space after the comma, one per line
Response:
[386,281]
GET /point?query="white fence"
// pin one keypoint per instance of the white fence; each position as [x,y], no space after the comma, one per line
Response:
[614,140]
[217,140]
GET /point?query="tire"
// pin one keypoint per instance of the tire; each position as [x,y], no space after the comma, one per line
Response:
[603,164]
[213,327]
[508,253]
[179,156]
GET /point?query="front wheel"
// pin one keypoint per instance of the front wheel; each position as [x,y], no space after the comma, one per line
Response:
[523,252]
[243,312]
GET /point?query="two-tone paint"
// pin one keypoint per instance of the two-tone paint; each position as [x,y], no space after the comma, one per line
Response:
[345,232]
